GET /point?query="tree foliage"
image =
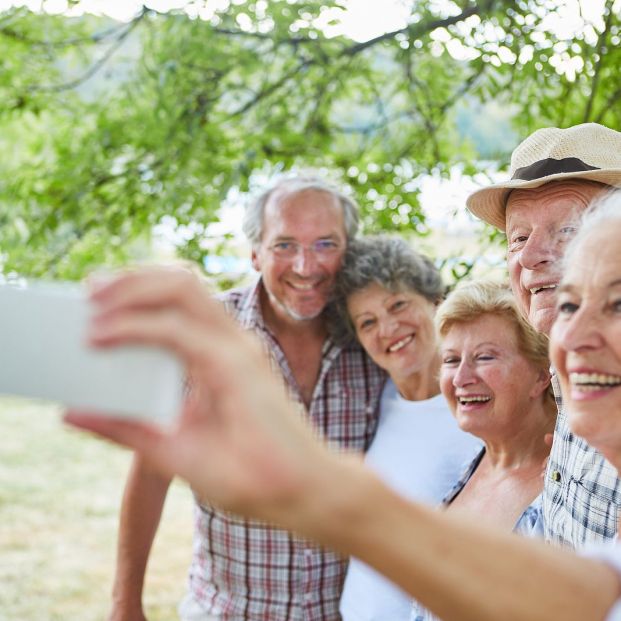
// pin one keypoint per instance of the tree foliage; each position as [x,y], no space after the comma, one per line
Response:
[205,103]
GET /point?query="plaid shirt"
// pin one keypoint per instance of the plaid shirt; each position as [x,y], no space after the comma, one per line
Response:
[247,570]
[582,491]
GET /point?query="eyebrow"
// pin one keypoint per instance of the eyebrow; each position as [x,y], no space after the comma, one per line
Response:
[484,344]
[331,236]
[569,287]
[361,315]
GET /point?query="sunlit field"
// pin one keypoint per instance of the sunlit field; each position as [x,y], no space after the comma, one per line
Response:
[60,493]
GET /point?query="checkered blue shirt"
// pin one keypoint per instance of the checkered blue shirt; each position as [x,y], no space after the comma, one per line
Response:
[247,570]
[582,491]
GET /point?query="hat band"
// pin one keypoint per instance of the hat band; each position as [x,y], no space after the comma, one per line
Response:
[550,166]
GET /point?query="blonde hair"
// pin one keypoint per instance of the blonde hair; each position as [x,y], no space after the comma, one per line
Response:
[471,300]
[603,212]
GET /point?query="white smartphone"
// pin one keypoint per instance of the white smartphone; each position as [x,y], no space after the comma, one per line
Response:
[44,354]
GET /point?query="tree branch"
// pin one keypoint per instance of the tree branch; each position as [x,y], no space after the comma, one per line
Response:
[414,30]
[94,38]
[268,90]
[463,89]
[95,67]
[601,43]
[610,102]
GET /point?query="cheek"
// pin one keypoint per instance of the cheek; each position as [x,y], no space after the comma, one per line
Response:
[557,352]
[332,269]
[271,272]
[423,324]
[500,381]
[332,266]
[446,384]
[613,337]
[514,269]
[366,340]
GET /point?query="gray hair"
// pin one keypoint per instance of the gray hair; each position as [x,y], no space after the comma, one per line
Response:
[294,184]
[391,263]
[603,211]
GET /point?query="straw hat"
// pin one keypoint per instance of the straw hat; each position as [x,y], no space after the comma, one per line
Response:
[588,151]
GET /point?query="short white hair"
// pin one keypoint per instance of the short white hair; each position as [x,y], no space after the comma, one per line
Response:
[288,185]
[604,211]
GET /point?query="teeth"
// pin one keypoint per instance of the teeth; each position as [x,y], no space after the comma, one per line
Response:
[593,380]
[536,290]
[400,344]
[301,287]
[474,399]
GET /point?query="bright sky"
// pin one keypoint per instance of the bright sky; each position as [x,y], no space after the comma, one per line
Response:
[362,20]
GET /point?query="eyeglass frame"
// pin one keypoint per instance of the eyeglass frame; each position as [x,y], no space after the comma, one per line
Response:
[294,248]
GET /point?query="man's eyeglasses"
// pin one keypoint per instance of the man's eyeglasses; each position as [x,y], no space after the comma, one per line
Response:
[322,249]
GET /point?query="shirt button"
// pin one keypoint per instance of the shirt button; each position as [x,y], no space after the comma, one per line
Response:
[555,476]
[308,553]
[308,597]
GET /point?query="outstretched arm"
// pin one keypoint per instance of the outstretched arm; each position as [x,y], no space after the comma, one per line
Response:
[240,444]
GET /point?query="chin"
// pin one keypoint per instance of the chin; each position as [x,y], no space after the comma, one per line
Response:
[542,320]
[304,314]
[585,424]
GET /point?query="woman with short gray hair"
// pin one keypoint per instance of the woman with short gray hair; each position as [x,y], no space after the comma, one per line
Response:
[387,296]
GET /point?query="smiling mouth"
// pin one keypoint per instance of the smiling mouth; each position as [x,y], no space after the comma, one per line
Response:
[400,344]
[590,382]
[536,290]
[303,286]
[473,399]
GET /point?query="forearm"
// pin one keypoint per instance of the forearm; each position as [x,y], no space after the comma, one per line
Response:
[455,568]
[143,501]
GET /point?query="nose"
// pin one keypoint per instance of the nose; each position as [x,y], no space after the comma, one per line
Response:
[305,262]
[581,331]
[387,326]
[538,250]
[464,374]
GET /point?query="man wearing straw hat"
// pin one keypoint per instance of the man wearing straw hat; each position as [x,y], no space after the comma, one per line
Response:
[555,174]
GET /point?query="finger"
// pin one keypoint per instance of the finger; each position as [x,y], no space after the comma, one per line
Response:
[153,444]
[216,360]
[156,287]
[137,435]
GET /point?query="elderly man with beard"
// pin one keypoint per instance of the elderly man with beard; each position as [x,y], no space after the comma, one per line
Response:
[244,569]
[555,174]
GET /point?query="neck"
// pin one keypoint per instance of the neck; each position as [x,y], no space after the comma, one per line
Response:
[613,455]
[420,385]
[525,446]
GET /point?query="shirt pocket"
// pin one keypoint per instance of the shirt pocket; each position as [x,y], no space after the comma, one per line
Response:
[593,518]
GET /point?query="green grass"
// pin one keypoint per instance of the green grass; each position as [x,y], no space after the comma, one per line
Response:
[60,493]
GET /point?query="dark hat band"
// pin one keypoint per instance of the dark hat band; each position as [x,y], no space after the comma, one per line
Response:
[550,166]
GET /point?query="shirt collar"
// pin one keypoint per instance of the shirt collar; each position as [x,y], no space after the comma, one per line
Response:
[250,314]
